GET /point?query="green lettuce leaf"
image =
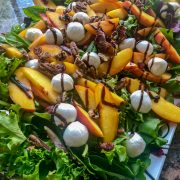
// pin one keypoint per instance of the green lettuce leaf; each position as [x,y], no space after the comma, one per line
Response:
[34,12]
[173,85]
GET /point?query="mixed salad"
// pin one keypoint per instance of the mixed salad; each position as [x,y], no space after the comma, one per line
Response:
[87,88]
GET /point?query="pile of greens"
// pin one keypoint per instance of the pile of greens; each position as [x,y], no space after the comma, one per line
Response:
[20,158]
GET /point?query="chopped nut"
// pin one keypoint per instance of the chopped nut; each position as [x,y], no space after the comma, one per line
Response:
[61,56]
[93,114]
[74,49]
[107,146]
[103,57]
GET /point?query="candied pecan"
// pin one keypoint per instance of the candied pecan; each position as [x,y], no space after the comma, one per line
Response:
[74,49]
[77,74]
[119,34]
[80,7]
[102,44]
[97,18]
[103,57]
[51,69]
[92,71]
[38,142]
[93,114]
[80,64]
[37,51]
[25,55]
[61,56]
[65,16]
[108,146]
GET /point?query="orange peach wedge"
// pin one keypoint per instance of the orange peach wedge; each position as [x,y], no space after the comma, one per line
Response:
[84,118]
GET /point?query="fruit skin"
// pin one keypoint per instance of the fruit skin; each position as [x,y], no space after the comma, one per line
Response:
[84,118]
[107,26]
[41,85]
[120,61]
[162,40]
[92,85]
[134,69]
[11,52]
[118,13]
[103,7]
[166,110]
[39,41]
[87,96]
[18,96]
[109,120]
[143,18]
[50,4]
[54,19]
[86,40]
[146,31]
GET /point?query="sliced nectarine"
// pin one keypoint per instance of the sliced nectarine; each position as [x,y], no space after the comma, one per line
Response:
[107,26]
[109,120]
[60,9]
[54,18]
[70,68]
[84,118]
[42,83]
[118,13]
[86,40]
[120,61]
[20,97]
[37,42]
[146,31]
[170,50]
[166,110]
[87,96]
[134,69]
[49,3]
[90,11]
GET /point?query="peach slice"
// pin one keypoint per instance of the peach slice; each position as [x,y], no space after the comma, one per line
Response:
[143,18]
[92,85]
[49,4]
[38,42]
[107,26]
[166,110]
[54,18]
[120,61]
[60,9]
[18,96]
[103,7]
[160,55]
[118,13]
[134,69]
[11,52]
[86,40]
[90,11]
[146,31]
[109,120]
[162,41]
[84,118]
[87,96]
[70,68]
[42,83]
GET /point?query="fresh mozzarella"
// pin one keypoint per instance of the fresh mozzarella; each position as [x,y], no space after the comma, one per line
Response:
[66,111]
[72,6]
[54,36]
[62,82]
[81,17]
[75,31]
[135,145]
[141,101]
[92,59]
[32,34]
[75,135]
[127,43]
[145,47]
[157,66]
[33,63]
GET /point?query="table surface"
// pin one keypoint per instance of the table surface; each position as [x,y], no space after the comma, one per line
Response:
[11,13]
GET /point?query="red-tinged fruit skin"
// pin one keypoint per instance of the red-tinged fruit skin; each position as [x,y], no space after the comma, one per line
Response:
[170,50]
[84,118]
[143,18]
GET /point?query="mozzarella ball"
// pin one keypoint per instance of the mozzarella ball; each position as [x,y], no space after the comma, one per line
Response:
[75,135]
[54,36]
[127,43]
[145,47]
[75,31]
[33,33]
[157,66]
[163,11]
[135,145]
[92,59]
[33,63]
[141,101]
[81,17]
[72,6]
[66,111]
[62,82]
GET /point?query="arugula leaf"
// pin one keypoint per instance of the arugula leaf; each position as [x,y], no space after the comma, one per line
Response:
[91,47]
[7,67]
[67,2]
[4,95]
[173,85]
[168,33]
[10,131]
[111,81]
[34,12]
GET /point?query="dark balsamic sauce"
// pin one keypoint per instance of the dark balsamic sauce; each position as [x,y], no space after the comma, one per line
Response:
[62,82]
[109,65]
[86,97]
[141,100]
[152,63]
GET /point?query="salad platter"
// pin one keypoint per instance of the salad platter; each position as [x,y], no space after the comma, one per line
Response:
[87,90]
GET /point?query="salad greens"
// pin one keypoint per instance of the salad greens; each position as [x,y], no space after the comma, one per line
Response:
[41,158]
